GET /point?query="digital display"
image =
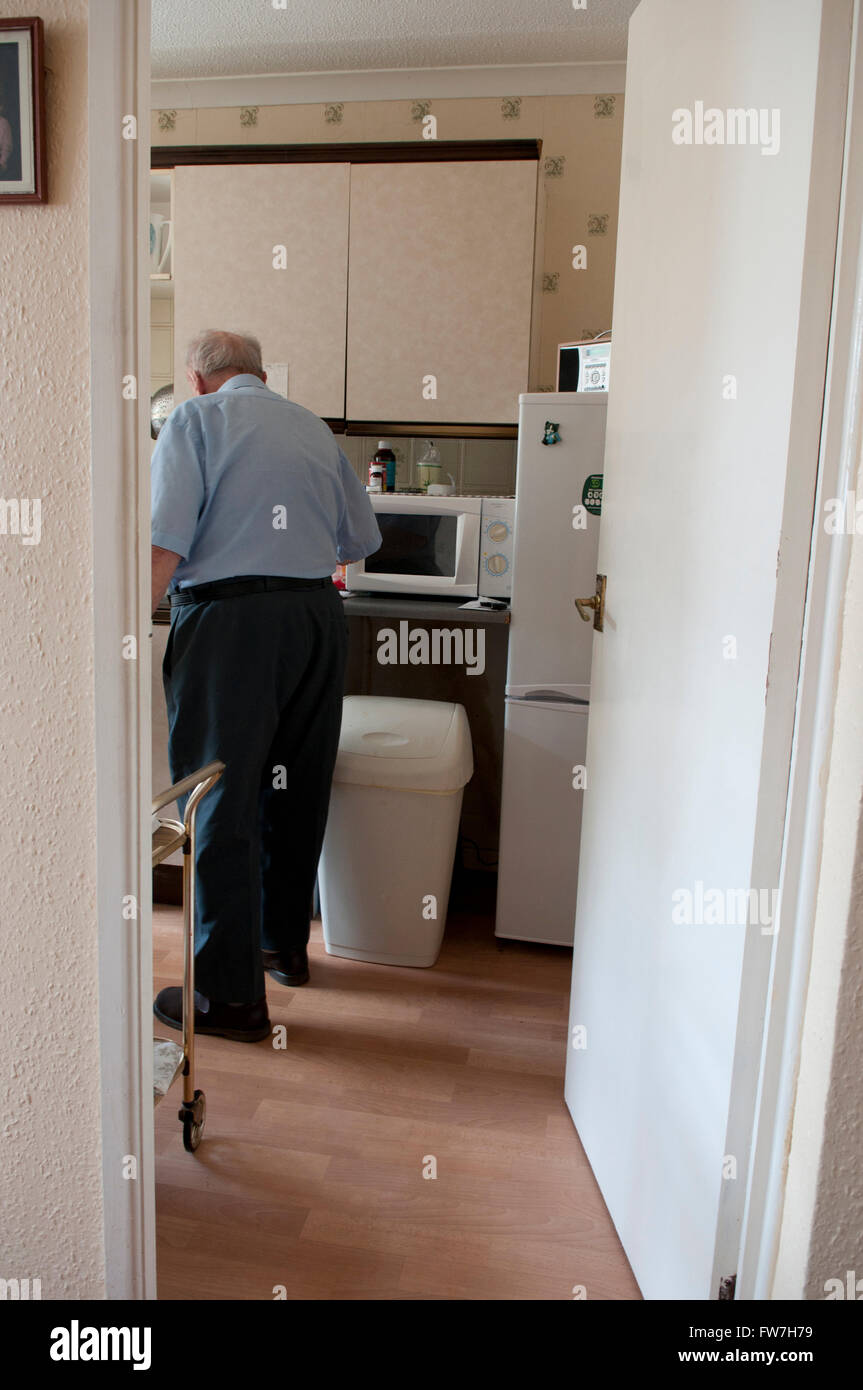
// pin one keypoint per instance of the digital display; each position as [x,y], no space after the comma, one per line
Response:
[415,543]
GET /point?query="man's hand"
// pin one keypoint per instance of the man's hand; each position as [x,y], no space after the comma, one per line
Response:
[164,563]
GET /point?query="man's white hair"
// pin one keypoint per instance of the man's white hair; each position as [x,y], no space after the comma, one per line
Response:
[215,351]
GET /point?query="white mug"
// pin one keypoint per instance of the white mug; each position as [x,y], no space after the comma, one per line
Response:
[161,239]
[442,489]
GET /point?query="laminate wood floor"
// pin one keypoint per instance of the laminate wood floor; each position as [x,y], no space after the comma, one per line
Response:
[310,1173]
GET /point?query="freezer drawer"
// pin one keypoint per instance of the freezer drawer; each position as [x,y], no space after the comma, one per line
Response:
[540,822]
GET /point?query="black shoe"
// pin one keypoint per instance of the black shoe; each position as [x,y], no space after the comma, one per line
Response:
[239,1022]
[288,967]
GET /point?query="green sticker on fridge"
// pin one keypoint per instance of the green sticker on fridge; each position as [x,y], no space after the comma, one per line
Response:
[591,494]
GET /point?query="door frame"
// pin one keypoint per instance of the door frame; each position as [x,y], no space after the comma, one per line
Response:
[118,40]
[119,85]
[776,970]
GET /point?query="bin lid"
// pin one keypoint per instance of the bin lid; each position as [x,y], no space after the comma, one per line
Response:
[414,745]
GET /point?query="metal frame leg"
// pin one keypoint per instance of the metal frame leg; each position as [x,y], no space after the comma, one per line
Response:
[193,1109]
[189,970]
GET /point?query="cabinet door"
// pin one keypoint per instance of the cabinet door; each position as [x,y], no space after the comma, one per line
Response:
[230,223]
[441,279]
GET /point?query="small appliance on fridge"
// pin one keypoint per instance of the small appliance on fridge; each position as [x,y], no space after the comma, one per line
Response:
[583,366]
[556,535]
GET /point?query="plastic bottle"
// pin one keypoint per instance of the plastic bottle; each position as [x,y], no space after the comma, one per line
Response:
[386,456]
[429,466]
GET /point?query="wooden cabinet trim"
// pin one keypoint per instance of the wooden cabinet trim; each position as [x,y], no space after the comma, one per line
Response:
[370,152]
[423,429]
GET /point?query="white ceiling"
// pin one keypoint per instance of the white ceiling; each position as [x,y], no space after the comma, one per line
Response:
[220,38]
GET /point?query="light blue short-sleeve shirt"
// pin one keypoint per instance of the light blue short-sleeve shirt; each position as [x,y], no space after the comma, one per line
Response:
[245,482]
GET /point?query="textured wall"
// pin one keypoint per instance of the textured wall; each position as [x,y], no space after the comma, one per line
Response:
[580,175]
[50,1146]
[836,1246]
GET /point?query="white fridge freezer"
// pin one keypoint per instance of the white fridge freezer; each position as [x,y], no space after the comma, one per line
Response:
[556,539]
[538,867]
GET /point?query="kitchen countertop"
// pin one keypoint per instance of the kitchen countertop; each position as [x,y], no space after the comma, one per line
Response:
[420,609]
[383,606]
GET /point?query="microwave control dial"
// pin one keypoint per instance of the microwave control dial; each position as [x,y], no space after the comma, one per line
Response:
[497,531]
[497,564]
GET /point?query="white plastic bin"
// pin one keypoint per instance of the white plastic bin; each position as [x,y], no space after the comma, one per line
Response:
[392,830]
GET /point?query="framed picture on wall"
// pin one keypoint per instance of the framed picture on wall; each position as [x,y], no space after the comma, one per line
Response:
[22,112]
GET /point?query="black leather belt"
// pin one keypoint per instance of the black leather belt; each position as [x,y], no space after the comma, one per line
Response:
[246,584]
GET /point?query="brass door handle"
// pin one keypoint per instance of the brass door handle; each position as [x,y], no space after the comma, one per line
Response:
[596,602]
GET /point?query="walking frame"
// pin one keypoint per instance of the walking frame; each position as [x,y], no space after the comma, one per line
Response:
[170,1059]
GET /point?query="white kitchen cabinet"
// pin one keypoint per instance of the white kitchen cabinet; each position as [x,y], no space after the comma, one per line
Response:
[161,336]
[440,290]
[161,351]
[263,248]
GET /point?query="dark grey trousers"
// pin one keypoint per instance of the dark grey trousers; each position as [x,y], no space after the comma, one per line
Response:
[256,680]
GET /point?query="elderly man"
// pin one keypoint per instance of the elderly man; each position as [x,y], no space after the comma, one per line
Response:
[254,504]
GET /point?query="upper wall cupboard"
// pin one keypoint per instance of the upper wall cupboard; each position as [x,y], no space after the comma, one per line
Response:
[440,290]
[406,288]
[230,223]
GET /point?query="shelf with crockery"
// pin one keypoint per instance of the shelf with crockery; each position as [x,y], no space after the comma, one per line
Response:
[161,230]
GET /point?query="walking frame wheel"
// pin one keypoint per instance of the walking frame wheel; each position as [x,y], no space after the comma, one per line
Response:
[193,1117]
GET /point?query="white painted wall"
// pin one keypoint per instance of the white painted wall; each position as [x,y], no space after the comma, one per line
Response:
[50,1142]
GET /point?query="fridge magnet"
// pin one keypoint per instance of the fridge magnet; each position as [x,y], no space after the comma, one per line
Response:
[22,111]
[591,494]
[552,433]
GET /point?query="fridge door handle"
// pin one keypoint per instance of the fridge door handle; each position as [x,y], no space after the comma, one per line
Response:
[595,602]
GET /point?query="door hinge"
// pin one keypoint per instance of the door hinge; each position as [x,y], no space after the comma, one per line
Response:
[727,1286]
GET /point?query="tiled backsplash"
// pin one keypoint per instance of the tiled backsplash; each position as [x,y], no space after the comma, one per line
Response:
[479,467]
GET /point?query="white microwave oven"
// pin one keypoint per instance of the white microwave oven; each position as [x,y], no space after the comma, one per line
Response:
[441,547]
[583,366]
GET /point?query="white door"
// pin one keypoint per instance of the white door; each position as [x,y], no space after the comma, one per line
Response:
[720,322]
